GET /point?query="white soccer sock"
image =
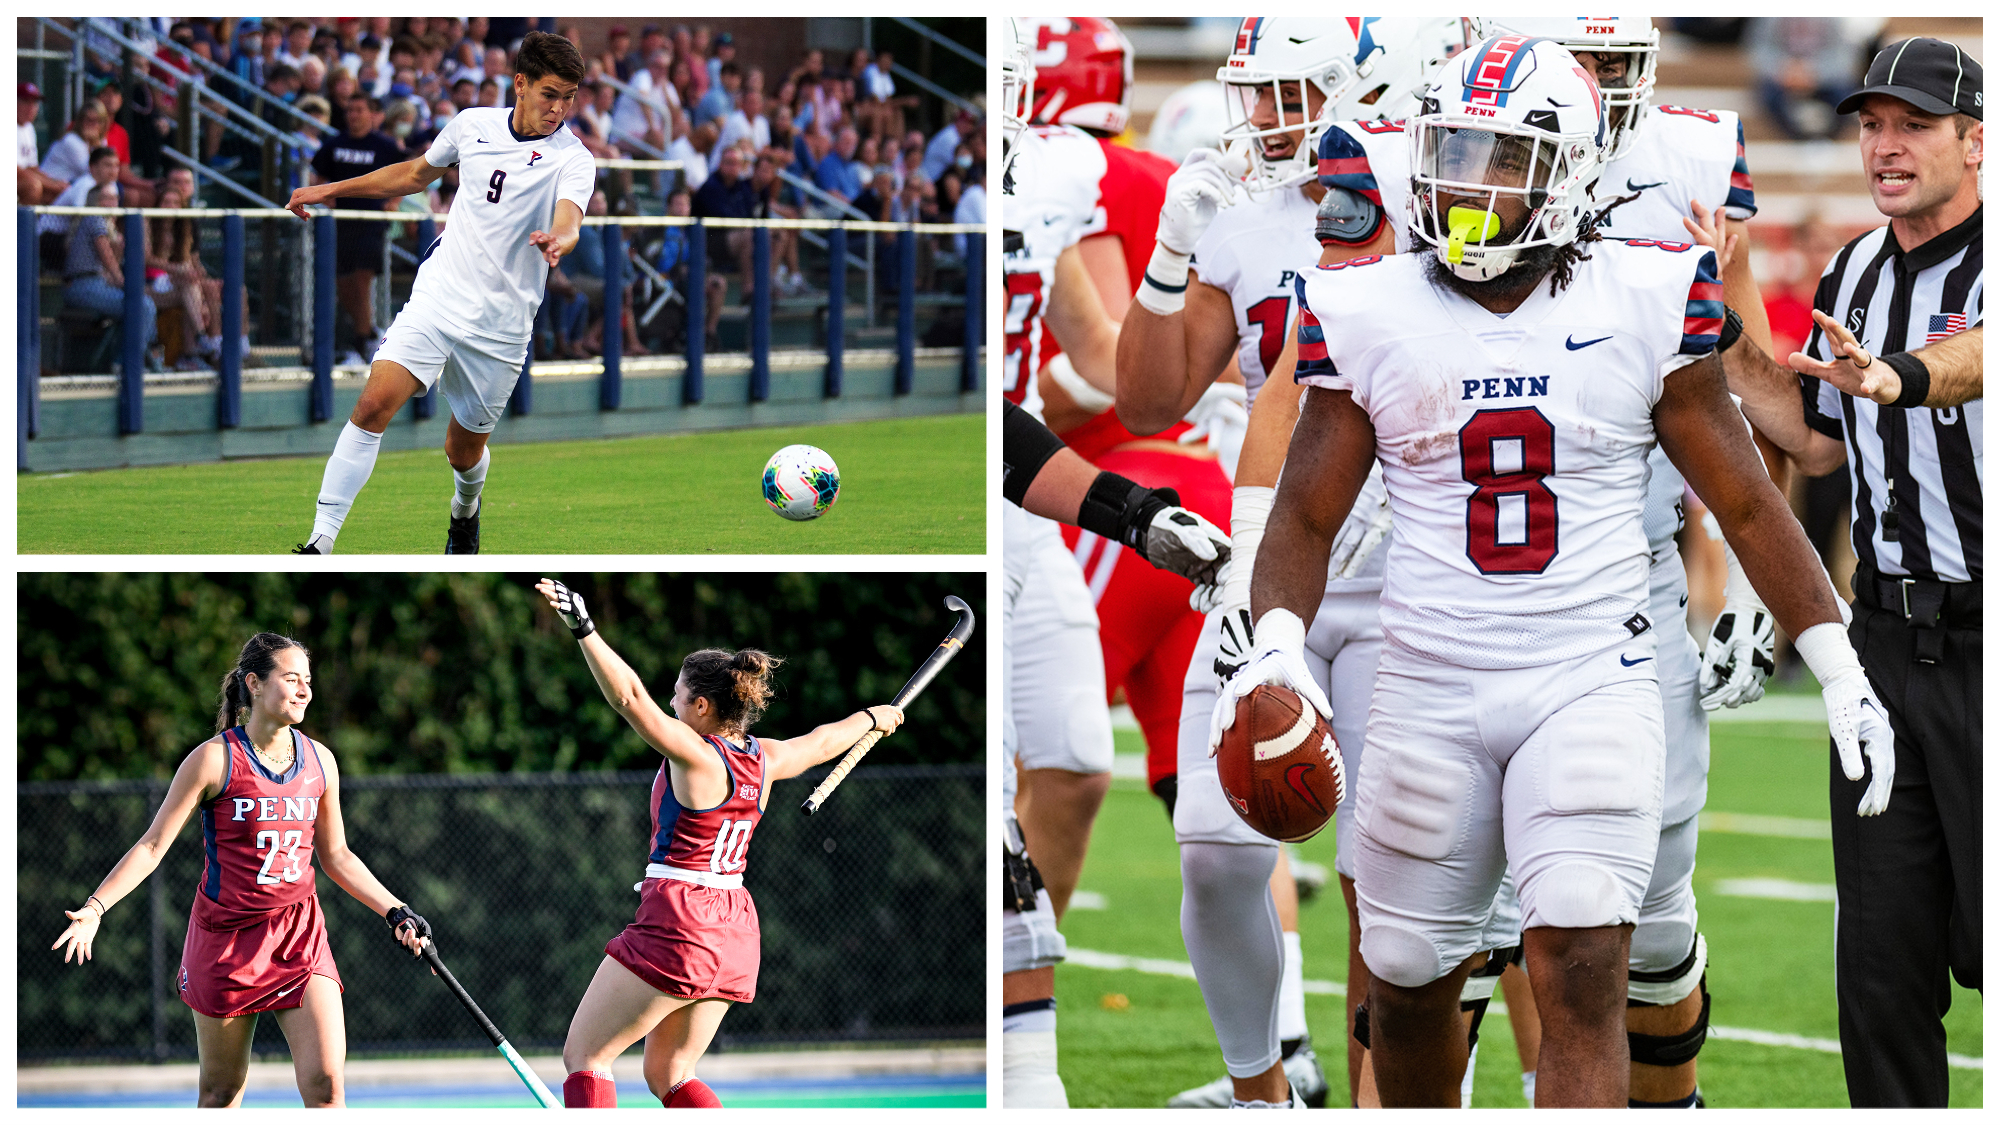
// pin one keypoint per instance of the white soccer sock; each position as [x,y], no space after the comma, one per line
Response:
[346,471]
[1292,992]
[1028,1078]
[466,501]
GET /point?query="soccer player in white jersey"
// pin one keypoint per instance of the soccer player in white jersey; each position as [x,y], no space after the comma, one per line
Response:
[1665,165]
[1251,235]
[525,180]
[1511,380]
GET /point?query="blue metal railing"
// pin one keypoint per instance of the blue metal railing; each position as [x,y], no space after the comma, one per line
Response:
[229,395]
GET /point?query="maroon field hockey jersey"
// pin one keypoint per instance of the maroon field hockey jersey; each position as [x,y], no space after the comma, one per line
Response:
[257,835]
[715,839]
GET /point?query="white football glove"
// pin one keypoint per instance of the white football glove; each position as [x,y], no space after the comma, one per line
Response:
[1366,526]
[1280,659]
[1219,418]
[1204,184]
[1856,719]
[1742,644]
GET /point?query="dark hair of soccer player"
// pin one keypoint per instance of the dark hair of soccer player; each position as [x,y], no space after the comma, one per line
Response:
[259,656]
[543,54]
[736,684]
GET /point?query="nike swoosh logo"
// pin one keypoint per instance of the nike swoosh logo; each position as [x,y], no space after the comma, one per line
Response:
[1570,342]
[1295,777]
[1630,186]
[482,140]
[288,991]
[1295,39]
[1684,601]
[1630,663]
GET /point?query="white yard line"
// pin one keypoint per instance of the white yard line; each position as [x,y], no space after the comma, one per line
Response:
[1160,966]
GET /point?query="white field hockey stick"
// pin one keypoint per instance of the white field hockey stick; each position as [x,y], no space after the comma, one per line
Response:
[528,1077]
[946,649]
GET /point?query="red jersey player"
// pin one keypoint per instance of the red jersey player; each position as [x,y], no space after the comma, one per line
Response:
[669,977]
[1083,77]
[256,940]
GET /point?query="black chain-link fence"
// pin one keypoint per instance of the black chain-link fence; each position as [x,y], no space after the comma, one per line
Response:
[872,911]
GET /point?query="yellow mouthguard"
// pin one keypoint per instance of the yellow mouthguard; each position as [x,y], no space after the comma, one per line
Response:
[1464,221]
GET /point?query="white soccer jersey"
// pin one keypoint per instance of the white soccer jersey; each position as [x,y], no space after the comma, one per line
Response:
[1371,158]
[1679,155]
[1049,191]
[1514,448]
[483,275]
[1254,251]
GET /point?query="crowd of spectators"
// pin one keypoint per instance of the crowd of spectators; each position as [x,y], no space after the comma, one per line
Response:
[747,143]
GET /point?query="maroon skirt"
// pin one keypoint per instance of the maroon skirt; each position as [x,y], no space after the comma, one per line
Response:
[259,968]
[692,941]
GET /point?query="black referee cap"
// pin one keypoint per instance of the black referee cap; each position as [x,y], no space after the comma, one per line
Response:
[1931,74]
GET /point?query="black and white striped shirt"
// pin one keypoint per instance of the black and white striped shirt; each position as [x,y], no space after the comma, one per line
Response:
[1923,464]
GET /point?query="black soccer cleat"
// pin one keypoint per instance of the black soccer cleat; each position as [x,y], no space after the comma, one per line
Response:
[463,537]
[306,549]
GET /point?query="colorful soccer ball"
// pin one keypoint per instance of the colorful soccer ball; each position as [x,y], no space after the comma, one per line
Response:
[801,482]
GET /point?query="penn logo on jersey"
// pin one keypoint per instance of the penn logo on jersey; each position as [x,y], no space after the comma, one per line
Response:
[1528,386]
[532,157]
[267,808]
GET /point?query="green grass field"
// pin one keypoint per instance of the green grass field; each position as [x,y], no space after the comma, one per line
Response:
[1770,960]
[907,486]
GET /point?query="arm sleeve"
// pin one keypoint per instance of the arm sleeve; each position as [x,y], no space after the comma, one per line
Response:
[443,152]
[579,179]
[1025,446]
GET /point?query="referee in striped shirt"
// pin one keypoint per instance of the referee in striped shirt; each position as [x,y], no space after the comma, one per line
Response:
[1891,380]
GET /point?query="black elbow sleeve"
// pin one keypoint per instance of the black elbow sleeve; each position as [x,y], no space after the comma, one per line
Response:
[1025,446]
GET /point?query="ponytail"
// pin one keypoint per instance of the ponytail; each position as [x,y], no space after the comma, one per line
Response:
[737,684]
[259,656]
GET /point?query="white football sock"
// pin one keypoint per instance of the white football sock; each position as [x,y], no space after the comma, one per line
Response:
[1528,1086]
[1028,1078]
[1465,1084]
[346,471]
[466,501]
[1292,992]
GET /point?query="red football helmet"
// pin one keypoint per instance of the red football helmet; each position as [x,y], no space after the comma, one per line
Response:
[1083,74]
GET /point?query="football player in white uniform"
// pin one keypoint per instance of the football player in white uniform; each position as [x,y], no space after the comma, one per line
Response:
[526,181]
[1251,235]
[1665,164]
[1516,719]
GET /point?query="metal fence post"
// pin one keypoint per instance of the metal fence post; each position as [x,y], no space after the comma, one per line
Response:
[697,311]
[132,375]
[760,314]
[522,401]
[229,381]
[836,310]
[425,405]
[906,310]
[27,358]
[975,310]
[611,389]
[323,317]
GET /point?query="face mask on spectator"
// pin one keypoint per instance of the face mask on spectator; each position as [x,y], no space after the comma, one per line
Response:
[964,160]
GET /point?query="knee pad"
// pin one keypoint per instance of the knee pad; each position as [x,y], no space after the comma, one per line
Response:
[1480,985]
[1402,957]
[1669,986]
[1021,882]
[1672,1050]
[1577,896]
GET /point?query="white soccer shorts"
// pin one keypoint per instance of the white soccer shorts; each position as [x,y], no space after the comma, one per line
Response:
[1556,769]
[479,372]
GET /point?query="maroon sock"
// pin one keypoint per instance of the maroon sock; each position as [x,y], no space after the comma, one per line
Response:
[590,1089]
[691,1093]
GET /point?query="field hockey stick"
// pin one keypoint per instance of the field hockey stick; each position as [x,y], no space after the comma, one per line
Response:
[946,649]
[534,1083]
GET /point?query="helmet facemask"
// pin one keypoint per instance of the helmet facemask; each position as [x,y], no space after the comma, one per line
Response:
[1293,109]
[1017,75]
[1625,97]
[1483,191]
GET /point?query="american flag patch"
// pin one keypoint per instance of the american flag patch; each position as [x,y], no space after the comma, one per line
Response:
[1946,325]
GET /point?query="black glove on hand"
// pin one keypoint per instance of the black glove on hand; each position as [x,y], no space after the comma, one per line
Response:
[401,914]
[569,604]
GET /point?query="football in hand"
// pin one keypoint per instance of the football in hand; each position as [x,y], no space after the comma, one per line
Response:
[1279,765]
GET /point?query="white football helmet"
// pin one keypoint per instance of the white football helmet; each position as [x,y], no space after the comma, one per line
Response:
[1017,74]
[1516,118]
[1632,36]
[1364,67]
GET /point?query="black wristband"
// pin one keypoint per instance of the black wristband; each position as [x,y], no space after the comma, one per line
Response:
[1916,379]
[1120,509]
[1025,446]
[1732,330]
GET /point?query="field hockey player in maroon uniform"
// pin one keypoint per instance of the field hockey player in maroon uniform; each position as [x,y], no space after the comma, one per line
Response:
[693,949]
[269,798]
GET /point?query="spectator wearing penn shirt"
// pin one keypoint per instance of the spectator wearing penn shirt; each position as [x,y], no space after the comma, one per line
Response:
[361,149]
[1892,381]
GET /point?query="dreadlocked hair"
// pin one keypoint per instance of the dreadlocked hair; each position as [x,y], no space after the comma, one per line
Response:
[258,658]
[737,684]
[1575,251]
